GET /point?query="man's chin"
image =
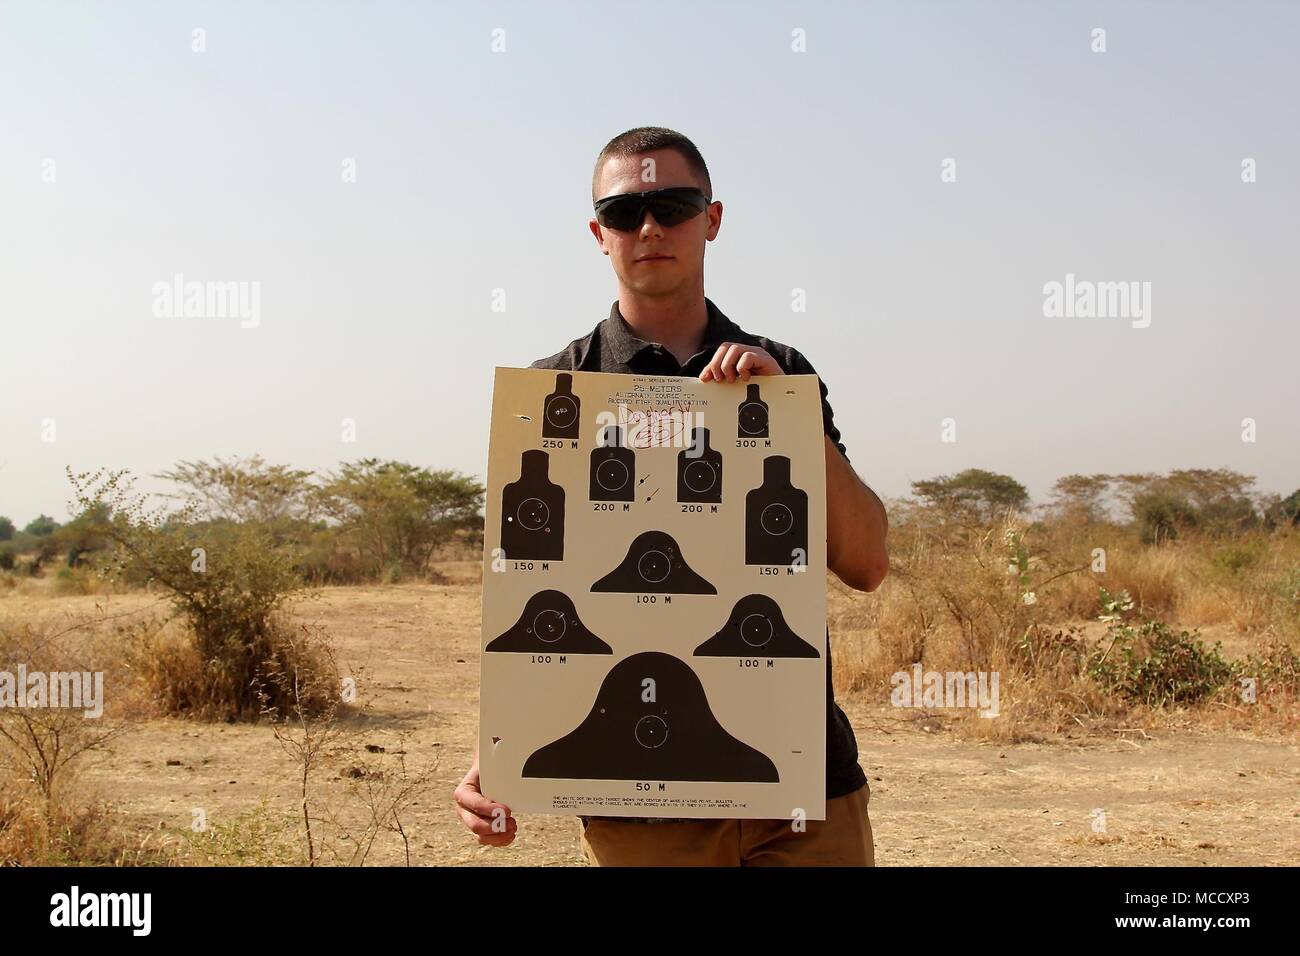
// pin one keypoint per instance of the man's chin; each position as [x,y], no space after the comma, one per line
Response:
[653,288]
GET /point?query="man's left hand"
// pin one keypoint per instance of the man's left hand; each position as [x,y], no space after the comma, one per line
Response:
[734,361]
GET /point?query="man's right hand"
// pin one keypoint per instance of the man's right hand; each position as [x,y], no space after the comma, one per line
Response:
[478,813]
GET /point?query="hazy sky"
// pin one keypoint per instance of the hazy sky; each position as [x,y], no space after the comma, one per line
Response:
[126,157]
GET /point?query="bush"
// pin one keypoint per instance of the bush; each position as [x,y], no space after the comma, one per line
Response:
[75,581]
[1156,666]
[1238,556]
[181,682]
[229,581]
[1162,515]
[1277,667]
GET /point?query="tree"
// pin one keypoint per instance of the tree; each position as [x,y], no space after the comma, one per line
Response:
[1284,511]
[1080,497]
[398,513]
[6,528]
[245,490]
[973,495]
[1217,500]
[1162,514]
[85,533]
[41,526]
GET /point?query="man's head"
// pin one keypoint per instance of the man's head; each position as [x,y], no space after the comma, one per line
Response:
[654,259]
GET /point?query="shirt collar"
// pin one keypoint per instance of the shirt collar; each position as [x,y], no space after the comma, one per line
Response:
[624,344]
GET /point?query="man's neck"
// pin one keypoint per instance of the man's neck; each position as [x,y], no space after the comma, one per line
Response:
[677,323]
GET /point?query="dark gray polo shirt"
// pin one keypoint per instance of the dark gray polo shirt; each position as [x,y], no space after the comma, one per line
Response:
[612,346]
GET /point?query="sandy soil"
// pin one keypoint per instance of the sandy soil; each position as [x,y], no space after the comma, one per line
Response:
[937,798]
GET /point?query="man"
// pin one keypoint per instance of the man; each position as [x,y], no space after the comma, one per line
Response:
[662,324]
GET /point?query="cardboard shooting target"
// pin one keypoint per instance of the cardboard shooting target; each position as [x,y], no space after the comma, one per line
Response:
[672,735]
[654,562]
[654,596]
[549,622]
[756,626]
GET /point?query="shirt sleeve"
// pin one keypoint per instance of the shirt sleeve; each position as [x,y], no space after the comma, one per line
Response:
[801,366]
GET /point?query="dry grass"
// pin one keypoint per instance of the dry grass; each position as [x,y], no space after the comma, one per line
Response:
[951,603]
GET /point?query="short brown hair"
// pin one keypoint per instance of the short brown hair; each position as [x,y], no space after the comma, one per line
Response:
[647,139]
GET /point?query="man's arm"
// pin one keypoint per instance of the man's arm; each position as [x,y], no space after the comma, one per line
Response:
[856,525]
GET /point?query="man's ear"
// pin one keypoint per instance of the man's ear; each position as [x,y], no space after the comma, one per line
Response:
[599,233]
[714,213]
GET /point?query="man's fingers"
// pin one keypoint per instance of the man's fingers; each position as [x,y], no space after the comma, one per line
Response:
[733,361]
[745,363]
[712,371]
[728,363]
[484,826]
[483,817]
[471,798]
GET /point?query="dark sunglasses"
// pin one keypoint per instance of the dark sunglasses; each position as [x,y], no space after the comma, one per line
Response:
[670,206]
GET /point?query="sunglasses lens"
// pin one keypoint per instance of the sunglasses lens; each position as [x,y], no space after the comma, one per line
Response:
[670,208]
[622,214]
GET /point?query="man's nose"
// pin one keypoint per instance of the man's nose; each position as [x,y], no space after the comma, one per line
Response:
[649,225]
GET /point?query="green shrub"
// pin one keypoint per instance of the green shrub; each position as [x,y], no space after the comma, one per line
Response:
[1237,556]
[1162,515]
[1277,666]
[1150,663]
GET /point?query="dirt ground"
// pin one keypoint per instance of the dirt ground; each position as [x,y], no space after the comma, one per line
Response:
[937,798]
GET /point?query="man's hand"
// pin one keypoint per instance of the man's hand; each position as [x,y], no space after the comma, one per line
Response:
[478,813]
[734,361]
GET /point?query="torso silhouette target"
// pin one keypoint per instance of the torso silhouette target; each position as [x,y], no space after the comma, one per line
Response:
[673,736]
[654,563]
[532,512]
[549,623]
[756,626]
[699,470]
[776,517]
[562,410]
[752,415]
[613,468]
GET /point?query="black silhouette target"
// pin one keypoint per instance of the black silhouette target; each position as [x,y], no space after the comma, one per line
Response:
[613,468]
[673,736]
[654,563]
[752,420]
[776,517]
[756,626]
[562,410]
[699,470]
[549,622]
[532,512]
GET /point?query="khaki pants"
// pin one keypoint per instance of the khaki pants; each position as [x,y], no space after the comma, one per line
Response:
[842,839]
